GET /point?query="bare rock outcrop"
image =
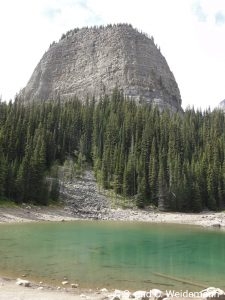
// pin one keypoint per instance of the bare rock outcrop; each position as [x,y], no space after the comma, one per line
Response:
[93,61]
[221,105]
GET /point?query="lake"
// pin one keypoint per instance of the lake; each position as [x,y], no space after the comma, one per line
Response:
[119,255]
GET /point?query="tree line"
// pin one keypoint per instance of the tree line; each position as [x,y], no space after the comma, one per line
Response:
[153,158]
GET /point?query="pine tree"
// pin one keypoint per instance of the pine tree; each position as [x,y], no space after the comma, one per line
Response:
[153,172]
[2,173]
[38,187]
[129,178]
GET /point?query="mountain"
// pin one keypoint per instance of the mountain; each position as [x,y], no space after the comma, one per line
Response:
[222,105]
[93,61]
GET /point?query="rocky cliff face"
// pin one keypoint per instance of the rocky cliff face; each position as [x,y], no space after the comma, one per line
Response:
[222,105]
[93,61]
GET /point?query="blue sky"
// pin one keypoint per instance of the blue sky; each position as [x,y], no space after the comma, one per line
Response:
[190,33]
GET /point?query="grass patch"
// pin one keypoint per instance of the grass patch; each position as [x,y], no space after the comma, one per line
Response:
[54,203]
[7,203]
[118,201]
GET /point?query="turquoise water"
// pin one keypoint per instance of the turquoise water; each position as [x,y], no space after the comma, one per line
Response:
[114,254]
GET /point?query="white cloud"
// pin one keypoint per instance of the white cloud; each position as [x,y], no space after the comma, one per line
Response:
[194,50]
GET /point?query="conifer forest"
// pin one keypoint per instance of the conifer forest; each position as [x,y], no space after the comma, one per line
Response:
[136,151]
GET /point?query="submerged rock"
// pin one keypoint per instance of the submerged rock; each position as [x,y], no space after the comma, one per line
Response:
[216,225]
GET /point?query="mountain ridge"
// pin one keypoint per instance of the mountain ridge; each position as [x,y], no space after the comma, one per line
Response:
[222,105]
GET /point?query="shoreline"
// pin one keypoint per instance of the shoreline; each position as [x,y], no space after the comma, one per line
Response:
[10,289]
[28,213]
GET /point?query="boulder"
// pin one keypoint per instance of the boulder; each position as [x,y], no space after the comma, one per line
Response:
[83,296]
[211,293]
[141,295]
[23,282]
[157,294]
[115,297]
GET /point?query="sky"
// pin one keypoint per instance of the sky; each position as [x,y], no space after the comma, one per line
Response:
[190,34]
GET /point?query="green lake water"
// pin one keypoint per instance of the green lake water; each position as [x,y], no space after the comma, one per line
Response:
[114,254]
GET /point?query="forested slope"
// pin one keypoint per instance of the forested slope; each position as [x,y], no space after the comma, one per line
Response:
[158,158]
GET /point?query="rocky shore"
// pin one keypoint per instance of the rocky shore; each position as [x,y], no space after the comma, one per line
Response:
[22,289]
[38,214]
[81,198]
